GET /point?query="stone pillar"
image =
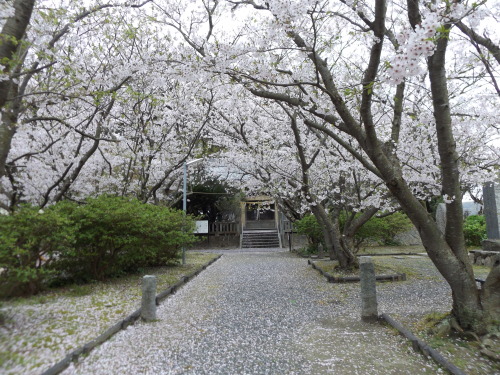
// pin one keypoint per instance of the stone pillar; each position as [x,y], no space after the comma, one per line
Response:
[491,198]
[369,310]
[243,217]
[321,250]
[441,217]
[148,307]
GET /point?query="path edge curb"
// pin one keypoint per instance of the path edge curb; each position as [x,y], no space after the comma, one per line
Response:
[422,347]
[354,279]
[122,324]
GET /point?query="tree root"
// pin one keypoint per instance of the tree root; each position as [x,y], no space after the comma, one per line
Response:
[490,346]
[455,326]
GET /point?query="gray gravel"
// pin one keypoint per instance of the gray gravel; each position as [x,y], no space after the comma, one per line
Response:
[264,312]
[425,291]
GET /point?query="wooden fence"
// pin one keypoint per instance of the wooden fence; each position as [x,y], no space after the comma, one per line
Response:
[222,227]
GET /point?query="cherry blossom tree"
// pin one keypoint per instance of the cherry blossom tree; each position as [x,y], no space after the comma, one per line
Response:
[395,52]
[395,78]
[107,111]
[407,89]
[279,155]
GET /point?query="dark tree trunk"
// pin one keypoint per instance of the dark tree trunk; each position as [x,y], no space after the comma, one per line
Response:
[351,227]
[342,247]
[330,233]
[10,43]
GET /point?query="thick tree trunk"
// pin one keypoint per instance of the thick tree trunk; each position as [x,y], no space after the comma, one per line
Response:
[448,251]
[12,33]
[326,230]
[7,131]
[342,246]
[466,303]
[10,37]
[351,228]
[331,234]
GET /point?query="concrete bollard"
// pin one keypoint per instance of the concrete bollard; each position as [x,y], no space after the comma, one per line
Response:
[148,306]
[369,311]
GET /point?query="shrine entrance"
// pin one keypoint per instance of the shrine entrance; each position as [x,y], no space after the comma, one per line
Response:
[258,213]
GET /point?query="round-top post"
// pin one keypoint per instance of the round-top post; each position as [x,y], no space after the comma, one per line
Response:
[148,306]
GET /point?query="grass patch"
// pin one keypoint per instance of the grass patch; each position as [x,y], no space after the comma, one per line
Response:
[382,268]
[461,352]
[481,271]
[332,268]
[415,249]
[430,321]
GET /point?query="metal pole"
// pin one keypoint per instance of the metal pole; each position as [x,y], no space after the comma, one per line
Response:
[184,206]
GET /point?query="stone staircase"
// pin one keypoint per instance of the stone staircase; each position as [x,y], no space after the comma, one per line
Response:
[260,239]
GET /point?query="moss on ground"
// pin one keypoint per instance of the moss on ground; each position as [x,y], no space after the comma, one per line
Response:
[381,268]
[463,353]
[391,250]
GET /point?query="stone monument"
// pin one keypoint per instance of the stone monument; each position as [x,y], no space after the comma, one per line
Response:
[491,246]
[491,199]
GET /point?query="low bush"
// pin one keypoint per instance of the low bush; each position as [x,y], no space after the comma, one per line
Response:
[119,235]
[310,227]
[31,241]
[475,230]
[383,229]
[105,237]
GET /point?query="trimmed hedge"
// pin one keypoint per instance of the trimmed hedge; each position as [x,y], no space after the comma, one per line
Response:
[30,243]
[106,237]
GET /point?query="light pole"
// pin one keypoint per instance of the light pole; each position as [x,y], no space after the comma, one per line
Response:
[184,201]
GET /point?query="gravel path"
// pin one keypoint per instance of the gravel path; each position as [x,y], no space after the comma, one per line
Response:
[259,313]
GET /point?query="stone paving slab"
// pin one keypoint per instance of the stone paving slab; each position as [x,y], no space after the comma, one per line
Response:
[257,312]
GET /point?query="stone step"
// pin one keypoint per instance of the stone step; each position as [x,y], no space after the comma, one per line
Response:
[246,245]
[260,239]
[257,239]
[262,244]
[266,246]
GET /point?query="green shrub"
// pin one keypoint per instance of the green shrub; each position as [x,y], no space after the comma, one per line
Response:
[383,230]
[119,235]
[475,230]
[106,237]
[30,243]
[310,227]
